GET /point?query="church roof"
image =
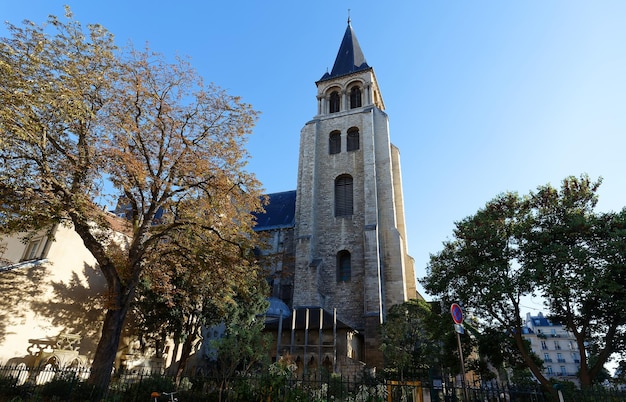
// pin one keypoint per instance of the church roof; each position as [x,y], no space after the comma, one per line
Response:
[349,59]
[279,213]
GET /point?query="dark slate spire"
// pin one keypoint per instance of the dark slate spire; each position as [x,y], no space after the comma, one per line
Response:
[349,58]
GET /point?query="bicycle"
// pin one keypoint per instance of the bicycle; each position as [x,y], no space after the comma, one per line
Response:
[157,395]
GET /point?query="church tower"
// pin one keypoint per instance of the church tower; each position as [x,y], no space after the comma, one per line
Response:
[350,237]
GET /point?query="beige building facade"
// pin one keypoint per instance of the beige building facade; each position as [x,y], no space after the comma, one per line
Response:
[52,308]
[51,299]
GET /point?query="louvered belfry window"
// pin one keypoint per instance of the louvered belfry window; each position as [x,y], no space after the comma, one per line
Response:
[355,97]
[343,195]
[334,142]
[353,139]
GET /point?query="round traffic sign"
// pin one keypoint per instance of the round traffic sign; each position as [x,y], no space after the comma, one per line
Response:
[457,313]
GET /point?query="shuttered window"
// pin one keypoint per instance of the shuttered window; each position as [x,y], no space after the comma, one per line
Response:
[343,195]
[353,139]
[334,142]
[344,266]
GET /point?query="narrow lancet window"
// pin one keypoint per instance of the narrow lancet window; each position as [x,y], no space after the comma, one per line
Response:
[344,266]
[334,102]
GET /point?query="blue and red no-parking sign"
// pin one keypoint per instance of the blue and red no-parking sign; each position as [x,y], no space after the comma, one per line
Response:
[457,313]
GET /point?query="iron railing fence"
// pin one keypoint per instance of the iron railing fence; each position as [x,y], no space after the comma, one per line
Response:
[19,383]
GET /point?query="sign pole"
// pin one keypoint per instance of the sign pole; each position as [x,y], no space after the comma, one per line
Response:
[458,339]
[457,317]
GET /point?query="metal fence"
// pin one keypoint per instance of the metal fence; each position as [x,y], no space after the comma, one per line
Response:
[49,383]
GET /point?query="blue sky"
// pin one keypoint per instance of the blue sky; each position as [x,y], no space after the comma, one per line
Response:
[483,96]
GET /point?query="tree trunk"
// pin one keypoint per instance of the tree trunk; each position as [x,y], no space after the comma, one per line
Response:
[106,351]
[519,341]
[184,356]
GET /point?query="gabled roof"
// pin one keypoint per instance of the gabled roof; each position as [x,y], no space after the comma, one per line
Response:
[349,59]
[279,213]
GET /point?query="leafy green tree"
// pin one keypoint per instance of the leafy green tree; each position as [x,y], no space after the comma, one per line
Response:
[481,267]
[77,114]
[550,243]
[579,258]
[417,335]
[244,346]
[406,343]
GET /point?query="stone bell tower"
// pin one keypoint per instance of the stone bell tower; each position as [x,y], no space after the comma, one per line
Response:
[350,237]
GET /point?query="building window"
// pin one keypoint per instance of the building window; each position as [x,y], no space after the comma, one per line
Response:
[353,139]
[355,97]
[546,357]
[543,345]
[343,195]
[549,370]
[334,142]
[344,266]
[33,250]
[556,345]
[286,292]
[333,103]
[563,371]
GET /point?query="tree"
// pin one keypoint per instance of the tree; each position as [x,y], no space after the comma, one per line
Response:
[180,295]
[481,267]
[77,113]
[550,243]
[244,344]
[406,342]
[418,335]
[579,257]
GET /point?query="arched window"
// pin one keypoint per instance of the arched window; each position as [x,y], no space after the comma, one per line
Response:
[334,142]
[353,139]
[355,97]
[344,266]
[343,195]
[334,102]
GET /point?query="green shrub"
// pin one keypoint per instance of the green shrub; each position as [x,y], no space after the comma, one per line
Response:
[6,384]
[10,391]
[141,391]
[60,388]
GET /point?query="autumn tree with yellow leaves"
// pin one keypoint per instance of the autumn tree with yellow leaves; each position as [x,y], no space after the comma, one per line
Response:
[81,121]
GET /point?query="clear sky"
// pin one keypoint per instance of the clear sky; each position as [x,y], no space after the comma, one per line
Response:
[483,96]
